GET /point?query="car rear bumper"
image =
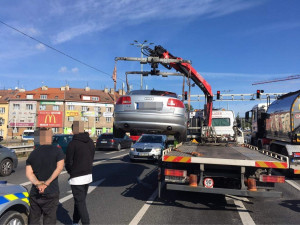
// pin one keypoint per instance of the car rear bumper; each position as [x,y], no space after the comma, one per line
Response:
[145,155]
[164,123]
[106,146]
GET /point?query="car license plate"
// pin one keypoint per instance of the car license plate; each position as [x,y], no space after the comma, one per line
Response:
[143,154]
[103,141]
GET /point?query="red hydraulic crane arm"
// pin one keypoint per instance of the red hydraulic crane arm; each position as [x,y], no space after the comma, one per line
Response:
[188,71]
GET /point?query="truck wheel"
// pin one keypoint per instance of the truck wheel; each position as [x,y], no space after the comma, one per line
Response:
[13,217]
[6,167]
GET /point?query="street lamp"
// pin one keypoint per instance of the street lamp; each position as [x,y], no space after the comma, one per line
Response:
[141,45]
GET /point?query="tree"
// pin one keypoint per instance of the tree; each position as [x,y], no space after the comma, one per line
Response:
[187,107]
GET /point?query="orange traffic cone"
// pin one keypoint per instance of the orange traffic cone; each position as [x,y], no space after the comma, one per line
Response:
[193,180]
[252,184]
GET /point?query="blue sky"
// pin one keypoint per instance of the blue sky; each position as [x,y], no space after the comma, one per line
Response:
[232,44]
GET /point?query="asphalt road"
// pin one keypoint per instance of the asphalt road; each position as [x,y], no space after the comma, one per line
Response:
[126,193]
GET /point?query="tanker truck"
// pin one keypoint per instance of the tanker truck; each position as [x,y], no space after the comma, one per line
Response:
[276,127]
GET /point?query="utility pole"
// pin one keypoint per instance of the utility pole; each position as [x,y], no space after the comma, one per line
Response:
[141,45]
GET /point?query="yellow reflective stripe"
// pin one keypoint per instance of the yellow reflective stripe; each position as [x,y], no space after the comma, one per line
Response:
[25,200]
[185,159]
[11,197]
[26,194]
[279,165]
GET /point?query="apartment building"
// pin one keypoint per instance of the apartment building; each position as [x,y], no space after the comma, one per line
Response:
[5,95]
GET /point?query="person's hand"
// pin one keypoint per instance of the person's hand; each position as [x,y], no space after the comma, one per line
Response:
[42,188]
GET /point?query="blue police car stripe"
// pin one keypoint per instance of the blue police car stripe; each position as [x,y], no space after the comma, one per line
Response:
[20,195]
[12,197]
[3,200]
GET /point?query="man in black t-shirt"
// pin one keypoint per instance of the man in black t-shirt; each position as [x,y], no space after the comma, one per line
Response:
[43,166]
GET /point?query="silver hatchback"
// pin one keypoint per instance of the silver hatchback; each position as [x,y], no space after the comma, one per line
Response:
[150,111]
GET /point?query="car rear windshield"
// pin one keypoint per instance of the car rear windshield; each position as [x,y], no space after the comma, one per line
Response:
[106,136]
[150,139]
[153,92]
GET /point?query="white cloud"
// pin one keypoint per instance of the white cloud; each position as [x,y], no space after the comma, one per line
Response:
[63,69]
[75,70]
[40,47]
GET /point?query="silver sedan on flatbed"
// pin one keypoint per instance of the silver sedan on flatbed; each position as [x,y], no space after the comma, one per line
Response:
[150,111]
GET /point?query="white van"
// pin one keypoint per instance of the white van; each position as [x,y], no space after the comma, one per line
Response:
[222,121]
[28,135]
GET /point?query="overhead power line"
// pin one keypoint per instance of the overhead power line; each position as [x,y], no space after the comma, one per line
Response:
[293,77]
[71,57]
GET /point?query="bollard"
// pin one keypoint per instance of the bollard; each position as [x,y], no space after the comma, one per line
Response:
[193,180]
[252,184]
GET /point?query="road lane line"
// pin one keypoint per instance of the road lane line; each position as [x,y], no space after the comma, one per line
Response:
[293,184]
[144,209]
[92,187]
[108,153]
[244,214]
[94,164]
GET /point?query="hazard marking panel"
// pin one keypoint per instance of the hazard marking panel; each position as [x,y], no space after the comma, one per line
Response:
[296,171]
[264,164]
[208,183]
[180,159]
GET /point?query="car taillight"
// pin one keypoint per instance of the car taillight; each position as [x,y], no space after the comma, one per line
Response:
[124,100]
[112,140]
[58,146]
[272,179]
[175,173]
[172,102]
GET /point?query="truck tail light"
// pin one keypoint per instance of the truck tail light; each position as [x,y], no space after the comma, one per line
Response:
[296,154]
[124,100]
[272,179]
[172,102]
[175,173]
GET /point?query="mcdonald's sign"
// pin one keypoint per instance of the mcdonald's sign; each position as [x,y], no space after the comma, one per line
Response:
[50,119]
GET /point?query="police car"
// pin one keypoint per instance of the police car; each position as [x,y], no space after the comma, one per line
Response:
[14,204]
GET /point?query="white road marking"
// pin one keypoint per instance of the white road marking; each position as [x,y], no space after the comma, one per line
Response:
[94,164]
[245,216]
[293,184]
[144,209]
[92,187]
[108,153]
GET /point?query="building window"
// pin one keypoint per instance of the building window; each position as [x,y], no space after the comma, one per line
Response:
[95,98]
[56,108]
[2,110]
[2,121]
[29,96]
[97,109]
[108,109]
[18,96]
[56,97]
[70,118]
[55,130]
[70,107]
[84,108]
[29,107]
[1,132]
[98,131]
[16,106]
[107,130]
[42,107]
[97,119]
[43,96]
[108,119]
[84,118]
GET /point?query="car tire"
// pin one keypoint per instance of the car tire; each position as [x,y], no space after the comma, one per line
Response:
[119,147]
[13,217]
[6,167]
[118,133]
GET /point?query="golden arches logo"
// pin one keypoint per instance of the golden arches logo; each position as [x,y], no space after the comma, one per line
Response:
[49,118]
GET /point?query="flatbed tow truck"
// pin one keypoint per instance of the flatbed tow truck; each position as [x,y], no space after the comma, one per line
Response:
[217,168]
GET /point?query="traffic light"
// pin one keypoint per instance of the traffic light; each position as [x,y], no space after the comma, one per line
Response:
[258,94]
[185,95]
[218,95]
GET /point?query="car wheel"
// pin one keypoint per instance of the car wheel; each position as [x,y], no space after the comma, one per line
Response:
[6,167]
[13,217]
[119,147]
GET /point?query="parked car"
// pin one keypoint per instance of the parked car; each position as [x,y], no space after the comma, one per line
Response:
[150,111]
[148,147]
[8,161]
[108,141]
[14,204]
[28,135]
[59,140]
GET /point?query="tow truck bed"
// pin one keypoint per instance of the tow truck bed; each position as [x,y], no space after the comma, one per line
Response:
[232,155]
[229,165]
